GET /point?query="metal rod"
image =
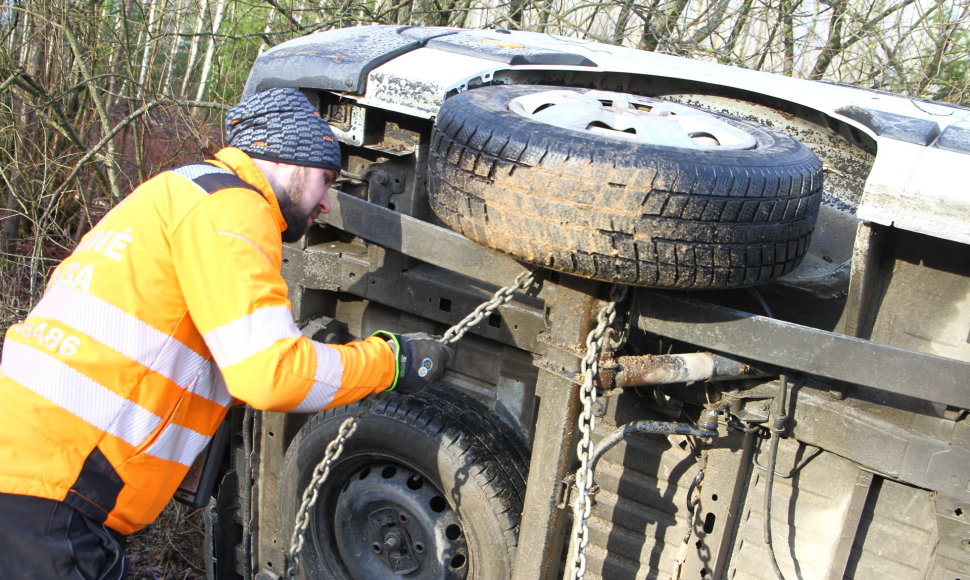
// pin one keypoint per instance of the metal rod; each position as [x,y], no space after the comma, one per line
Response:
[786,345]
[662,369]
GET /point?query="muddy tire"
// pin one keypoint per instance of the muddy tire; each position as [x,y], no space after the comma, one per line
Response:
[429,486]
[732,205]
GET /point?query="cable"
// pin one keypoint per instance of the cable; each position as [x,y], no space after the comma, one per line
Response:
[762,302]
[776,430]
[691,500]
[655,427]
[735,425]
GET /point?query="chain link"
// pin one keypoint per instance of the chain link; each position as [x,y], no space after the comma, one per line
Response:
[504,295]
[587,422]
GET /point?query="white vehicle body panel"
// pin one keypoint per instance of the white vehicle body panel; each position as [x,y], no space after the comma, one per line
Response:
[919,189]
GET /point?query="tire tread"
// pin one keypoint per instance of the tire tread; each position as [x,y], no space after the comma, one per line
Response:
[493,177]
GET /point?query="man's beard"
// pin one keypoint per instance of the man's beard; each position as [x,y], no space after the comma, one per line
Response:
[297,220]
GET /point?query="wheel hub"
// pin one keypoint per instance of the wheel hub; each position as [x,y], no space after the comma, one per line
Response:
[631,118]
[395,549]
[390,522]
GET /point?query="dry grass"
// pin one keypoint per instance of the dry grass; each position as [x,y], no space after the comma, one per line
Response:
[169,549]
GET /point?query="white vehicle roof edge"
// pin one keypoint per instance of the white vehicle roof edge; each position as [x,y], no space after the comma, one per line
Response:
[910,187]
[821,96]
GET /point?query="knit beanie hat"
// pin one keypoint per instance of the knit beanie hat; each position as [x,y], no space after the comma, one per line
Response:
[281,125]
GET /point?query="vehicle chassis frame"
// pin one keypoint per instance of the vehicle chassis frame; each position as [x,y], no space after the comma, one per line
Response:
[375,252]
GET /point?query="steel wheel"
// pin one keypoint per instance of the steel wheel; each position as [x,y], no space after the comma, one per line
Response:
[429,487]
[632,118]
[412,530]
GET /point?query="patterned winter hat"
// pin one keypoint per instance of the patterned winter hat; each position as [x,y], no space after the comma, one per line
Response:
[281,125]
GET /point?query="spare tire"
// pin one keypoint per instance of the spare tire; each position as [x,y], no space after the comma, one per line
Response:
[623,188]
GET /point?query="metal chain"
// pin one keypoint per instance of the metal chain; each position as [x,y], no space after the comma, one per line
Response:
[692,503]
[504,295]
[587,422]
[312,491]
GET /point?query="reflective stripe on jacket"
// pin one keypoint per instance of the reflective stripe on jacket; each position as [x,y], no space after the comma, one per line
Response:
[112,385]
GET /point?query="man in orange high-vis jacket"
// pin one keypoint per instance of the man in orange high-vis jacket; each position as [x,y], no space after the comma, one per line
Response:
[169,311]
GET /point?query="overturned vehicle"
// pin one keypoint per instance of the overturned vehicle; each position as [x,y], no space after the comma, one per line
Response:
[731,337]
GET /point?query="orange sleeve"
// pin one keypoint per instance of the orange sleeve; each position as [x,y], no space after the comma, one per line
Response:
[227,254]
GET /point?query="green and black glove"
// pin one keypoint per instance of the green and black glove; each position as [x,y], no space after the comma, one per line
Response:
[421,360]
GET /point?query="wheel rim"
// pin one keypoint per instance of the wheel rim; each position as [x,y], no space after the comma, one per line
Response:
[632,118]
[389,521]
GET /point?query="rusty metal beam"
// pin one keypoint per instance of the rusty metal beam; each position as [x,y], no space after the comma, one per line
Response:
[543,529]
[419,239]
[809,350]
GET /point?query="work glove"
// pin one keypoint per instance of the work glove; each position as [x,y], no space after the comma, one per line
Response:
[420,360]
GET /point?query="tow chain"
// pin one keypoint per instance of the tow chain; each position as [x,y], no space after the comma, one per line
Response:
[587,422]
[320,473]
[692,503]
[522,282]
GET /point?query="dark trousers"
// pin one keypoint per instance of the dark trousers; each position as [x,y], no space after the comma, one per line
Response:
[44,539]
